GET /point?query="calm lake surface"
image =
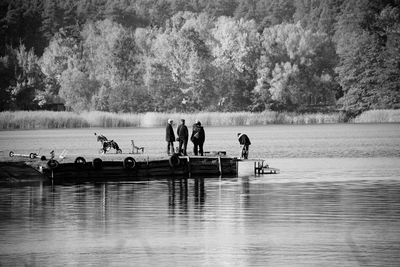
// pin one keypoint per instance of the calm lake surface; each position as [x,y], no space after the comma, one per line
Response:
[336,202]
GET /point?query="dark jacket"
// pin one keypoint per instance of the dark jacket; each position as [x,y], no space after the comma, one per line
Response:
[244,140]
[198,135]
[169,133]
[183,133]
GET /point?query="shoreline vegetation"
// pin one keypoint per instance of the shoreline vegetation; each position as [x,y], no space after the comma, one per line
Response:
[25,120]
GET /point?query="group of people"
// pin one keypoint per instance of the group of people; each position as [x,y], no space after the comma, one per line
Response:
[197,137]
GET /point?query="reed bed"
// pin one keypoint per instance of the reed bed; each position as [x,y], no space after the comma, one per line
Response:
[241,118]
[110,120]
[379,116]
[41,120]
[52,119]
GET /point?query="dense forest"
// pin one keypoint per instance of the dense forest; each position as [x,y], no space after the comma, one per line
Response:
[200,55]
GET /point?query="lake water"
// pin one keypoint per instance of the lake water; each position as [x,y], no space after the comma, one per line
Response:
[336,202]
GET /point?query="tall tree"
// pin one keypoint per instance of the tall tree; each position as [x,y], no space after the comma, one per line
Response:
[21,23]
[367,38]
[317,15]
[246,9]
[28,79]
[8,65]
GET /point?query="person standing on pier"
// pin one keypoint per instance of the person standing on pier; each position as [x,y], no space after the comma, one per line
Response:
[198,137]
[170,137]
[183,137]
[244,142]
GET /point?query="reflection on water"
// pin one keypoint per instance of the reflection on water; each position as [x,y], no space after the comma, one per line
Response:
[246,221]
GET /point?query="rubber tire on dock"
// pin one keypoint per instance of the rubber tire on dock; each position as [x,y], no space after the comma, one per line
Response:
[80,162]
[32,155]
[52,163]
[174,160]
[129,163]
[97,164]
[11,154]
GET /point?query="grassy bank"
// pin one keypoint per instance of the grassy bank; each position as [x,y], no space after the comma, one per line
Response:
[51,119]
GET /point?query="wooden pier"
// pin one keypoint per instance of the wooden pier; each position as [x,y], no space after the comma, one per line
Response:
[128,167]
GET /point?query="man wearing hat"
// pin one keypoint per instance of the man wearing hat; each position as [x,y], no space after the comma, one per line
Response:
[183,137]
[170,137]
[244,142]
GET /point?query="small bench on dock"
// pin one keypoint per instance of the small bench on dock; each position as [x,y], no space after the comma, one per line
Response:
[136,149]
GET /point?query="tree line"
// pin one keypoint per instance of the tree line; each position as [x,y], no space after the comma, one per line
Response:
[200,55]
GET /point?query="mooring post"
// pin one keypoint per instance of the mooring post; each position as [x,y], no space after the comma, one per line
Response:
[237,166]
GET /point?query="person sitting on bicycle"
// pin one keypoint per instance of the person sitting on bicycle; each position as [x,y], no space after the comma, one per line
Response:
[244,141]
[104,141]
[101,138]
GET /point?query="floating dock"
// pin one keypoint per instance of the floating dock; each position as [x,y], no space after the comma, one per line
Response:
[131,170]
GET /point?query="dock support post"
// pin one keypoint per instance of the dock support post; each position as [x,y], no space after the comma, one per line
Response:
[189,168]
[219,166]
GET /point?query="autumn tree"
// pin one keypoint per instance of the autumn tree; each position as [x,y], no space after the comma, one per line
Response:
[181,50]
[294,71]
[113,59]
[235,51]
[63,50]
[77,89]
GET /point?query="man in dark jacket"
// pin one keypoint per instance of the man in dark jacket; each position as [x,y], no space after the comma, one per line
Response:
[170,137]
[183,137]
[244,142]
[198,137]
